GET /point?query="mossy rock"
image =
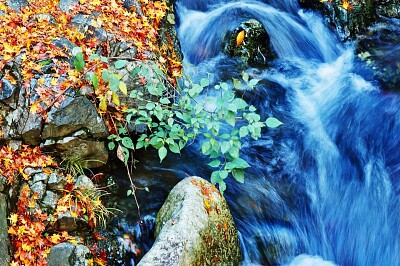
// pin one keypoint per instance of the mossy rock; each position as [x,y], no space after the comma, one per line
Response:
[194,227]
[255,47]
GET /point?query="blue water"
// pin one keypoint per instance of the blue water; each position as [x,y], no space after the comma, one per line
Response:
[323,188]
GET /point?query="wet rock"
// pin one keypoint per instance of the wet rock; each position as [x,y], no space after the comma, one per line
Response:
[66,5]
[349,21]
[6,89]
[75,113]
[56,182]
[39,177]
[4,240]
[379,48]
[194,227]
[255,47]
[31,171]
[68,254]
[39,189]
[3,183]
[88,153]
[50,200]
[69,223]
[83,182]
[31,130]
[17,4]
[388,8]
[84,24]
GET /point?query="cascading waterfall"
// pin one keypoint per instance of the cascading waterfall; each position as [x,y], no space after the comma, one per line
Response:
[326,182]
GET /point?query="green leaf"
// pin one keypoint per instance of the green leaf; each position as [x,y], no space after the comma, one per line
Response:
[233,151]
[245,77]
[223,174]
[240,103]
[240,163]
[140,144]
[95,81]
[204,82]
[237,84]
[127,142]
[174,148]
[120,64]
[243,132]
[165,101]
[105,75]
[122,87]
[162,153]
[224,86]
[215,178]
[94,57]
[252,108]
[150,106]
[253,82]
[205,148]
[222,186]
[273,122]
[214,163]
[225,146]
[238,174]
[111,146]
[231,118]
[79,63]
[129,192]
[114,83]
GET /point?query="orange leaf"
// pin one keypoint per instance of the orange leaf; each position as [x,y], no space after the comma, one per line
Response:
[240,37]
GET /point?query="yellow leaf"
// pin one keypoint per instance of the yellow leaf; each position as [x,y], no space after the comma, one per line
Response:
[26,247]
[53,82]
[122,87]
[240,37]
[34,107]
[55,238]
[115,99]
[103,103]
[13,218]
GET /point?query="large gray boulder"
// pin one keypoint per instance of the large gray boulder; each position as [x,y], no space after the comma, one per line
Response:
[194,227]
[67,254]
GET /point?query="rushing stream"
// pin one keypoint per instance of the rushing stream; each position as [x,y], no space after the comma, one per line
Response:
[323,188]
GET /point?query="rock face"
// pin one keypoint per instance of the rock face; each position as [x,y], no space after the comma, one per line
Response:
[194,227]
[67,254]
[255,47]
[4,242]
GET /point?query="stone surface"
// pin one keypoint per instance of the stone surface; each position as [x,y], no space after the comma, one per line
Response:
[39,188]
[31,131]
[17,4]
[67,254]
[50,200]
[83,182]
[88,153]
[194,227]
[75,113]
[66,5]
[255,48]
[6,89]
[4,241]
[56,182]
[39,177]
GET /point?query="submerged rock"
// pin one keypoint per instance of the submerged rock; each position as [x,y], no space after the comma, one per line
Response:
[194,227]
[254,46]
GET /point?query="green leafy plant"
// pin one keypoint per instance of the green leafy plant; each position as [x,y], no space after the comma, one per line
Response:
[177,117]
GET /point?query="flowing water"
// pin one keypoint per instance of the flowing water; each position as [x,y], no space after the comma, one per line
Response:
[323,188]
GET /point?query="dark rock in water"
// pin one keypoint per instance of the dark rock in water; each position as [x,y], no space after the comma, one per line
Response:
[347,21]
[388,8]
[68,254]
[379,48]
[254,46]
